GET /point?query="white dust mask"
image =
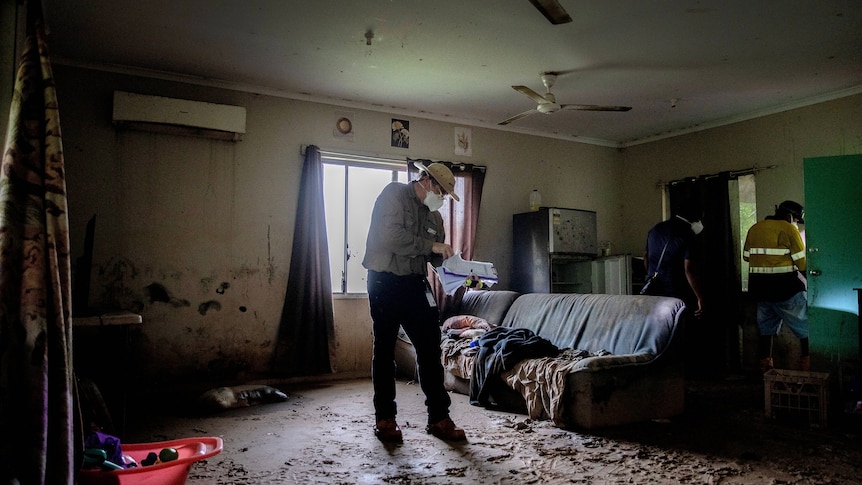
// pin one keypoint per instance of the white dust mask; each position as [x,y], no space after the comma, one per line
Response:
[696,227]
[432,201]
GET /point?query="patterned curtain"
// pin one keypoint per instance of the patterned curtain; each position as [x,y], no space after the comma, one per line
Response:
[37,415]
[460,220]
[306,338]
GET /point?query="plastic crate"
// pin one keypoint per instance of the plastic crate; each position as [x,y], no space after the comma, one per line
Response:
[797,395]
[170,473]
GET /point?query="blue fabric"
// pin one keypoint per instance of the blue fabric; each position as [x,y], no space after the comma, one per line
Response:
[619,324]
[109,443]
[792,311]
[671,279]
[499,350]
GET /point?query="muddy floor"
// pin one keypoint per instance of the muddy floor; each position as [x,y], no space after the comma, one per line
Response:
[323,434]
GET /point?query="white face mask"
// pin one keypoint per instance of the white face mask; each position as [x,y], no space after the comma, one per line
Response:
[696,227]
[432,201]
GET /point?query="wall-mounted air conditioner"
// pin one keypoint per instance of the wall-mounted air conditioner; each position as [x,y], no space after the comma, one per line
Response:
[178,116]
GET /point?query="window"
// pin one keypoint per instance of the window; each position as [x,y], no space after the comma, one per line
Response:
[747,211]
[351,184]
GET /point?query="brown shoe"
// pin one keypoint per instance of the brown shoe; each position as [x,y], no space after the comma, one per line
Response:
[766,365]
[446,430]
[388,430]
[805,363]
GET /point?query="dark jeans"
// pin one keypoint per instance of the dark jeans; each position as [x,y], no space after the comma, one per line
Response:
[400,301]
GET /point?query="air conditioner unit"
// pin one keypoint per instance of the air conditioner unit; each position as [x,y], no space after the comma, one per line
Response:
[178,116]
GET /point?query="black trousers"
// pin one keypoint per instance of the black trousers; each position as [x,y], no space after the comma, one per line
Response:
[400,301]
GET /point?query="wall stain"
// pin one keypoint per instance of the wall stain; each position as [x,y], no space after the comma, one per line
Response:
[114,278]
[206,306]
[158,292]
[205,284]
[222,287]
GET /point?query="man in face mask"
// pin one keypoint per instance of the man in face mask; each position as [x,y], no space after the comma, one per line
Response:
[406,233]
[776,265]
[671,256]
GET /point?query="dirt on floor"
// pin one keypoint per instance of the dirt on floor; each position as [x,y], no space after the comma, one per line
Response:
[323,434]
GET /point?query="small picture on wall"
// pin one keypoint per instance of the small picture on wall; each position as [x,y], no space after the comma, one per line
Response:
[400,133]
[463,141]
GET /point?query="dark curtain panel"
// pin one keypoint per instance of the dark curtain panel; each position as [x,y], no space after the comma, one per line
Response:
[712,340]
[306,337]
[460,220]
[37,412]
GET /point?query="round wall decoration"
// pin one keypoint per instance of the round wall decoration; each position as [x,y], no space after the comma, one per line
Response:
[344,125]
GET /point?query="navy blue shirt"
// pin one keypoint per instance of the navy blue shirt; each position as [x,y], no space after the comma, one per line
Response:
[671,280]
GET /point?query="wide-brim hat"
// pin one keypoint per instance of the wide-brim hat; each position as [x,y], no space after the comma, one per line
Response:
[442,175]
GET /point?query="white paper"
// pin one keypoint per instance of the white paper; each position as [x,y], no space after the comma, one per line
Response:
[455,271]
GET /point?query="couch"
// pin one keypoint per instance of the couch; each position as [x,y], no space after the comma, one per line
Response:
[623,356]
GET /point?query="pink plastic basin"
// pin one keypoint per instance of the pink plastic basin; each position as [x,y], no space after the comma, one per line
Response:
[174,472]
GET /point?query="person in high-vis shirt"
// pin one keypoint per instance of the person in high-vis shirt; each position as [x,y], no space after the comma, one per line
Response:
[776,265]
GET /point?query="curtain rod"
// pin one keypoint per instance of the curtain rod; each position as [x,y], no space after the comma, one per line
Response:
[345,155]
[459,165]
[732,173]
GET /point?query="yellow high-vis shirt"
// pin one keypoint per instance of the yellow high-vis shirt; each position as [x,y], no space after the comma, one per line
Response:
[774,246]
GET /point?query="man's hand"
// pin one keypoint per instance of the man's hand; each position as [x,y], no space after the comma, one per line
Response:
[442,249]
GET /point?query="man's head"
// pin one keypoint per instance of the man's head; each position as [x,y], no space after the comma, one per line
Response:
[441,176]
[790,211]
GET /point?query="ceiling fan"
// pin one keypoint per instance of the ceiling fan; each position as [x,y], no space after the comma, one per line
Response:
[547,104]
[552,10]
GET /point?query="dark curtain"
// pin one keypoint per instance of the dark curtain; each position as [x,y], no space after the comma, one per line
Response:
[460,220]
[38,421]
[712,340]
[306,337]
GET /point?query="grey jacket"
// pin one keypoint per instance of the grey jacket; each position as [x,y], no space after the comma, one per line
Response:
[402,232]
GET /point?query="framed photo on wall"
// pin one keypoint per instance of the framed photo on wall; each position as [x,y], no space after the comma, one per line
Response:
[400,133]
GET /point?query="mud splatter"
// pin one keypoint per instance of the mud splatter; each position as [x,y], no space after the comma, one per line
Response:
[158,293]
[206,306]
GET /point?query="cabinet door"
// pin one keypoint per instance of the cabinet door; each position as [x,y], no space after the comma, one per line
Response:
[612,275]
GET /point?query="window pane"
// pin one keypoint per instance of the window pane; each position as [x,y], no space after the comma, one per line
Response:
[363,187]
[747,218]
[333,201]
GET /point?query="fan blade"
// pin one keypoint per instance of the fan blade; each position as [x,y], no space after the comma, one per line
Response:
[538,98]
[518,117]
[593,107]
[552,10]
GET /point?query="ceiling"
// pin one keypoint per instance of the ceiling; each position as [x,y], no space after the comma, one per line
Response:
[680,65]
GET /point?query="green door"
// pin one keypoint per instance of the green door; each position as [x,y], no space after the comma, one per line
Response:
[833,231]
